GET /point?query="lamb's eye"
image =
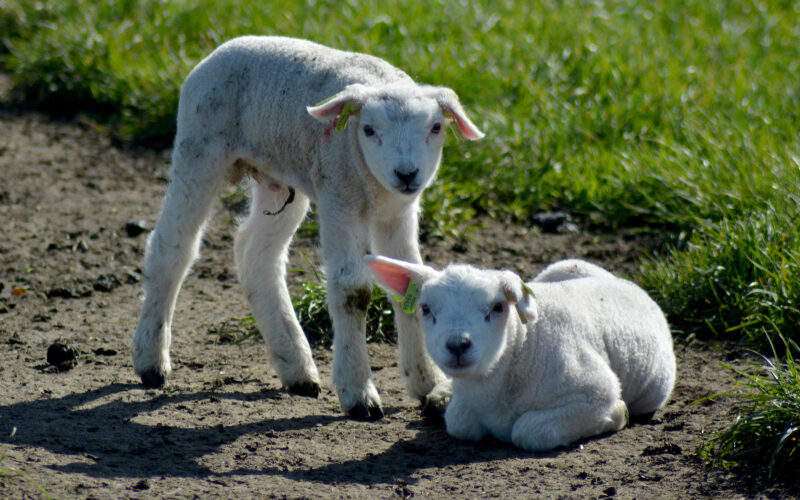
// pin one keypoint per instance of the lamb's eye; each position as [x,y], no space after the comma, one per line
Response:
[369,131]
[426,312]
[437,127]
[497,308]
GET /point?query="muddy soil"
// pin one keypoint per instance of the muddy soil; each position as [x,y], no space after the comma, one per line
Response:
[74,214]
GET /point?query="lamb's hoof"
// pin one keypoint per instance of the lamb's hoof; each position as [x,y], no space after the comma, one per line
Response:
[361,412]
[153,379]
[435,403]
[433,409]
[308,389]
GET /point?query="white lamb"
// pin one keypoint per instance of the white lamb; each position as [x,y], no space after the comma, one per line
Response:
[244,111]
[579,349]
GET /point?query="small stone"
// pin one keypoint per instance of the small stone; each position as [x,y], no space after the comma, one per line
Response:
[143,484]
[135,228]
[61,355]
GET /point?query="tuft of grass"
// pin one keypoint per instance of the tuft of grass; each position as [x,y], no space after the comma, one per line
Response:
[735,279]
[766,433]
[6,474]
[310,305]
[312,312]
[9,474]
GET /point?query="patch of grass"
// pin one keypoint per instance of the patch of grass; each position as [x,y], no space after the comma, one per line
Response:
[312,312]
[766,433]
[234,331]
[6,474]
[624,112]
[310,305]
[735,279]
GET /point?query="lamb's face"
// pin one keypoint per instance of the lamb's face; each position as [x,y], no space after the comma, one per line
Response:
[464,316]
[401,137]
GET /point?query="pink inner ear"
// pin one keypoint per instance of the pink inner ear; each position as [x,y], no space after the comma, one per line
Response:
[394,277]
[467,129]
[331,108]
[509,294]
[465,126]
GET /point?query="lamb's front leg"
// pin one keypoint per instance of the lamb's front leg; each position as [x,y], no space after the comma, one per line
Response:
[397,238]
[344,243]
[462,422]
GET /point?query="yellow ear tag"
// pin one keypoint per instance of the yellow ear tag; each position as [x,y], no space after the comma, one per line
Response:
[341,121]
[408,304]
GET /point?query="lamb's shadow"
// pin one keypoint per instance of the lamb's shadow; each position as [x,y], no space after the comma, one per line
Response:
[107,442]
[431,448]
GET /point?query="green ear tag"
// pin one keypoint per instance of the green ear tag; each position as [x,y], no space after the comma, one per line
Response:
[341,121]
[527,289]
[521,314]
[327,99]
[408,304]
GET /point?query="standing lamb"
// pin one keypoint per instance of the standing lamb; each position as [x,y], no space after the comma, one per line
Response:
[243,111]
[579,350]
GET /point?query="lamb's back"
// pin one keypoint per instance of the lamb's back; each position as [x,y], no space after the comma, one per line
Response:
[619,321]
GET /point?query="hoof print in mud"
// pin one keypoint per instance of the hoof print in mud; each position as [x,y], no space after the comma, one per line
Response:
[152,379]
[308,389]
[361,412]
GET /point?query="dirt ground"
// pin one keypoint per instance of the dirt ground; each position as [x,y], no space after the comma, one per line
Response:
[222,427]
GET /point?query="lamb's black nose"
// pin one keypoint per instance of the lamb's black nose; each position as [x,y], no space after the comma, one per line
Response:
[458,346]
[407,177]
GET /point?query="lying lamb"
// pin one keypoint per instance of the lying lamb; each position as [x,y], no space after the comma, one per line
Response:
[243,111]
[579,350]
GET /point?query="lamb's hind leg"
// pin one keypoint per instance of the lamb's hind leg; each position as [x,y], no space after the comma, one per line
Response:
[171,249]
[547,429]
[261,247]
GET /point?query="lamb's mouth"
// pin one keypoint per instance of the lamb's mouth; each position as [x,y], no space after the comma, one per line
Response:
[407,190]
[458,364]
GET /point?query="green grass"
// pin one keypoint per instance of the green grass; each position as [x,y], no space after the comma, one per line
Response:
[766,433]
[675,115]
[9,474]
[6,474]
[312,312]
[736,279]
[626,112]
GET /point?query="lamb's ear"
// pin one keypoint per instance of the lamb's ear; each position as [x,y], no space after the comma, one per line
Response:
[451,106]
[394,276]
[335,110]
[521,296]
